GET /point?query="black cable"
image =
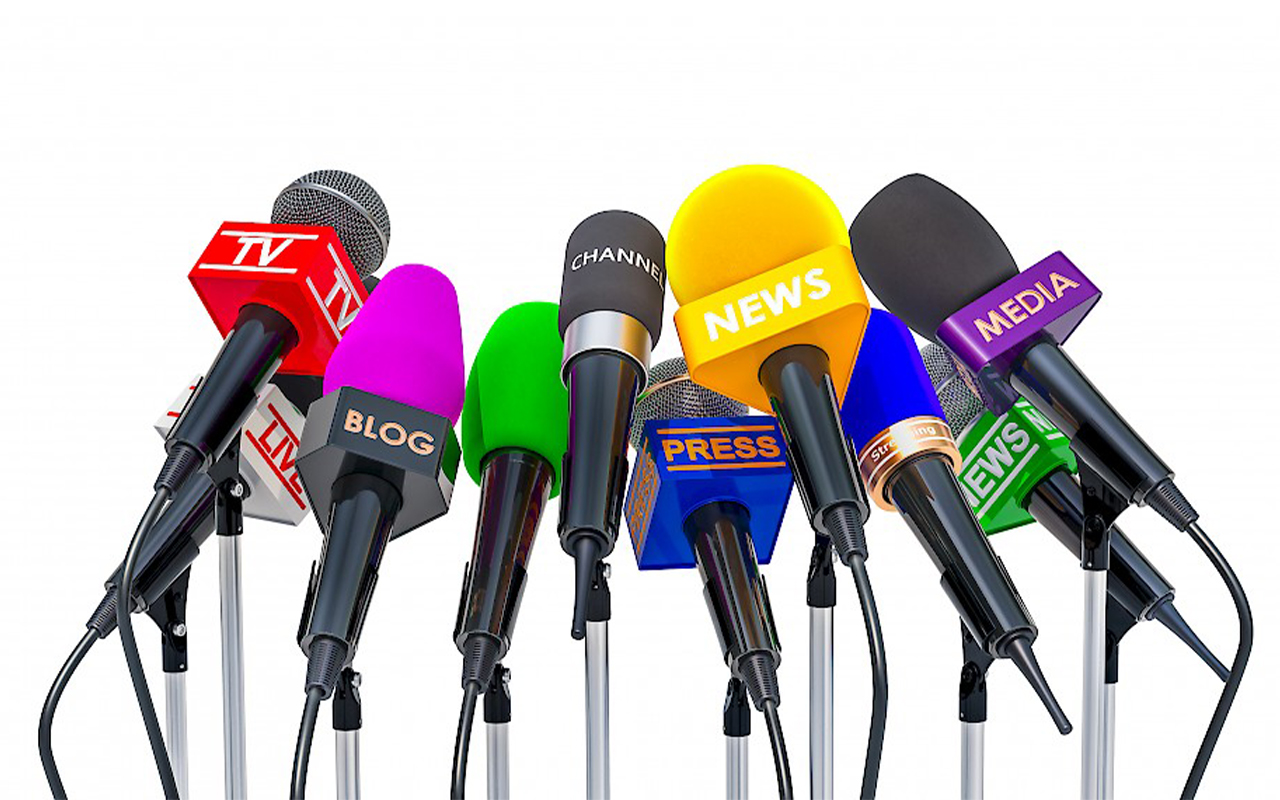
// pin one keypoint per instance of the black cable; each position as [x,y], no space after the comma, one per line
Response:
[1243,649]
[879,677]
[45,736]
[781,765]
[458,787]
[302,751]
[130,644]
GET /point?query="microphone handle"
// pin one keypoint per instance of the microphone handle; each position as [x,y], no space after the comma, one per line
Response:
[1057,503]
[249,357]
[602,394]
[925,492]
[174,541]
[1046,376]
[798,382]
[514,488]
[362,513]
[732,585]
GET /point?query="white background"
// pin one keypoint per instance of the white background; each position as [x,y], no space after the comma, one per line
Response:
[1138,138]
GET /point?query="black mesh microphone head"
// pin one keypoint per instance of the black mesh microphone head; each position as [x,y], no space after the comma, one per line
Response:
[615,261]
[926,253]
[960,405]
[672,394]
[341,201]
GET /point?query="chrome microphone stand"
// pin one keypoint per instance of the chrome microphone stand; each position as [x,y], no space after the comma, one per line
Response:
[973,717]
[348,715]
[170,616]
[497,719]
[599,611]
[229,525]
[821,596]
[737,733]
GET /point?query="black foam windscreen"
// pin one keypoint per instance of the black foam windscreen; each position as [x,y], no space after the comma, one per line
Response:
[615,261]
[926,253]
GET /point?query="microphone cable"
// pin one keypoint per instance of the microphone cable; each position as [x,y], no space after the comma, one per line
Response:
[847,535]
[99,626]
[462,744]
[781,765]
[479,657]
[1238,664]
[302,751]
[124,621]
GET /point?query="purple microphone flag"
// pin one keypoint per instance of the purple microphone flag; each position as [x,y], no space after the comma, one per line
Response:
[1051,297]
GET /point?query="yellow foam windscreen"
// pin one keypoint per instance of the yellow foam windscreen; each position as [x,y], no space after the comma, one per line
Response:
[758,258]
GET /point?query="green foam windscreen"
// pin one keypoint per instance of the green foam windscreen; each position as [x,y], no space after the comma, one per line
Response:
[515,398]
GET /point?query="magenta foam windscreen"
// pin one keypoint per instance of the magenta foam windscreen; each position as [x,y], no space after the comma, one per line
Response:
[405,344]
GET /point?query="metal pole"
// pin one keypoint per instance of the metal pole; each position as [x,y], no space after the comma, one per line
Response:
[1095,654]
[175,727]
[821,703]
[499,772]
[598,710]
[820,594]
[735,762]
[972,760]
[235,779]
[1109,741]
[346,766]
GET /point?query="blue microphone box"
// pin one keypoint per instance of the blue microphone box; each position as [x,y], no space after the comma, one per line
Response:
[685,463]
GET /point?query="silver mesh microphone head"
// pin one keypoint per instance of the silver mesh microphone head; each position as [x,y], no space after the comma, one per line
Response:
[960,404]
[672,394]
[341,201]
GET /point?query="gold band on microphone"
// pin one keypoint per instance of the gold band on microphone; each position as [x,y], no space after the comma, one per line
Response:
[893,446]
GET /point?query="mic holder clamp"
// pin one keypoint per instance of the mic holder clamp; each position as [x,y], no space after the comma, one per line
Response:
[169,614]
[1102,506]
[228,510]
[347,708]
[820,589]
[737,710]
[497,696]
[973,678]
[599,597]
[1119,622]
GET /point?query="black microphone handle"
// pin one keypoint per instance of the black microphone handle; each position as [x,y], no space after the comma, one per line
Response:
[798,382]
[361,516]
[925,492]
[514,489]
[1046,376]
[262,337]
[174,541]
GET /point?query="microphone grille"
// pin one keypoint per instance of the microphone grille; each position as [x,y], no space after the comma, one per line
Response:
[960,404]
[672,394]
[344,202]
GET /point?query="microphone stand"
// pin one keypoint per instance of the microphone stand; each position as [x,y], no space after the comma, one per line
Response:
[973,716]
[737,729]
[497,716]
[599,611]
[347,721]
[229,525]
[820,594]
[1119,622]
[1101,507]
[170,616]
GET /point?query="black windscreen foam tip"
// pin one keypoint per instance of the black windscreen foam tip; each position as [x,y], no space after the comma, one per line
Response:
[926,253]
[615,261]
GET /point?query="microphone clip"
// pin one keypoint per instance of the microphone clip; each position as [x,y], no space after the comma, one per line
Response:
[1102,506]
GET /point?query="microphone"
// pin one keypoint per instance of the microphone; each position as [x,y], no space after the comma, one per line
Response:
[771,314]
[908,458]
[282,295]
[610,318]
[710,488]
[937,264]
[378,458]
[1018,468]
[514,430]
